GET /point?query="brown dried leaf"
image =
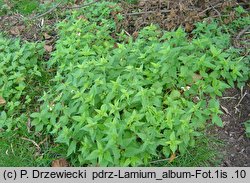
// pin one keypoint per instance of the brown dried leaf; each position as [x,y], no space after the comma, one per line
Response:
[135,35]
[196,77]
[60,163]
[115,45]
[2,101]
[82,17]
[224,109]
[189,27]
[77,1]
[48,48]
[196,99]
[172,14]
[172,157]
[46,36]
[16,30]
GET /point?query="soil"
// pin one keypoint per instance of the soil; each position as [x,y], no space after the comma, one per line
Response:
[235,103]
[174,13]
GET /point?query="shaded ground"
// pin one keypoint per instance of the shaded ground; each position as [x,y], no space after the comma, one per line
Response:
[234,103]
[236,106]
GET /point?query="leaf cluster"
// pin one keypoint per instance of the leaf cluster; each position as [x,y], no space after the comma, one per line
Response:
[125,103]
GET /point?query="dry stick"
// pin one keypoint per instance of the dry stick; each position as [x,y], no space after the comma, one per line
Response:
[218,13]
[234,97]
[45,13]
[144,12]
[81,6]
[44,140]
[160,160]
[38,147]
[242,32]
[53,8]
[209,8]
[127,33]
[225,110]
[241,99]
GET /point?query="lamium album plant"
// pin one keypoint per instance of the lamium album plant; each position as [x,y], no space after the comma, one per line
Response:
[119,101]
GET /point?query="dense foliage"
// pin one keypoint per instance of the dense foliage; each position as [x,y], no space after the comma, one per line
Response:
[115,100]
[21,75]
[126,103]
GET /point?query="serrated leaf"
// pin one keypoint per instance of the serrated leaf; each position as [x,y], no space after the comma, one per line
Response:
[217,120]
[131,151]
[72,148]
[175,94]
[93,155]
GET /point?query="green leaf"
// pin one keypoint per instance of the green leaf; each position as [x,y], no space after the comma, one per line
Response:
[93,155]
[217,120]
[131,151]
[35,115]
[3,116]
[72,148]
[175,94]
[214,51]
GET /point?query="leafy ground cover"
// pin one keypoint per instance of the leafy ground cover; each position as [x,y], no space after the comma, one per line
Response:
[102,93]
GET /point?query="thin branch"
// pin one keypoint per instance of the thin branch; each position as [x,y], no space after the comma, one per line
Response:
[156,11]
[209,8]
[160,160]
[241,99]
[47,12]
[242,32]
[83,5]
[44,140]
[144,12]
[38,147]
[218,13]
[234,97]
[57,5]
[127,33]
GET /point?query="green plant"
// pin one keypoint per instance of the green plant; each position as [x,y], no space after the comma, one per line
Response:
[204,154]
[127,104]
[15,152]
[25,6]
[22,80]
[20,73]
[3,8]
[115,101]
[247,126]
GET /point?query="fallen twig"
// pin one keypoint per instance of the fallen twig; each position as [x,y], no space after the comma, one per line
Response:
[37,146]
[57,5]
[160,160]
[144,12]
[44,140]
[209,8]
[225,110]
[127,33]
[47,12]
[218,13]
[83,5]
[242,32]
[229,97]
[241,99]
